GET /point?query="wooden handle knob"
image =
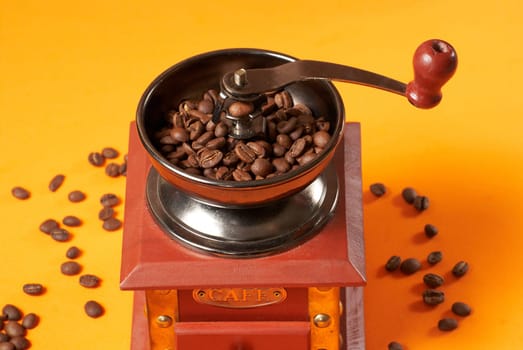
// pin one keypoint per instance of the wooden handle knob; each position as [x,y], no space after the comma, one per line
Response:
[435,62]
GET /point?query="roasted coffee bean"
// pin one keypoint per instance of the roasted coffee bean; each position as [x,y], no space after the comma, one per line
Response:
[20,193]
[241,175]
[261,167]
[321,138]
[7,345]
[33,288]
[60,235]
[49,225]
[89,281]
[109,200]
[378,189]
[460,269]
[56,182]
[216,144]
[206,106]
[244,152]
[73,252]
[112,224]
[283,99]
[71,221]
[433,297]
[287,126]
[433,280]
[20,343]
[410,266]
[76,196]
[284,140]
[430,230]
[106,213]
[96,159]
[305,158]
[14,329]
[203,139]
[223,173]
[71,268]
[123,169]
[112,170]
[434,257]
[209,158]
[297,148]
[221,130]
[93,309]
[11,312]
[230,159]
[393,263]
[110,153]
[240,109]
[180,135]
[461,309]
[421,203]
[257,148]
[395,346]
[447,324]
[296,133]
[409,194]
[30,321]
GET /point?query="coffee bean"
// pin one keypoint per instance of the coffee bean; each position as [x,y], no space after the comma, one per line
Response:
[11,312]
[60,235]
[461,309]
[93,309]
[321,138]
[297,148]
[20,193]
[433,280]
[395,346]
[56,182]
[281,165]
[123,169]
[421,203]
[430,230]
[112,224]
[112,170]
[96,159]
[240,109]
[409,194]
[447,324]
[70,268]
[33,288]
[89,281]
[106,213]
[460,269]
[241,175]
[261,167]
[378,189]
[180,135]
[20,343]
[49,225]
[287,126]
[410,266]
[434,257]
[73,252]
[71,221]
[393,263]
[76,196]
[110,153]
[30,321]
[109,200]
[433,297]
[244,152]
[7,345]
[206,106]
[209,158]
[14,329]
[283,99]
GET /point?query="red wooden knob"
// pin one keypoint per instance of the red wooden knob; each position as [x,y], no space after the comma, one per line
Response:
[434,63]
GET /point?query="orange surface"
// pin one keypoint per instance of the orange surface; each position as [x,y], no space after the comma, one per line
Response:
[70,79]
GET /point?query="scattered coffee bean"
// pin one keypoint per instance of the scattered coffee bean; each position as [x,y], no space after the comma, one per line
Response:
[410,266]
[60,235]
[14,329]
[409,194]
[430,230]
[395,346]
[433,296]
[70,268]
[96,159]
[73,253]
[105,213]
[30,321]
[20,193]
[434,257]
[447,324]
[460,269]
[461,309]
[123,169]
[20,343]
[56,182]
[89,281]
[33,288]
[71,221]
[393,263]
[49,225]
[76,196]
[11,312]
[93,309]
[421,203]
[112,170]
[112,224]
[109,200]
[110,153]
[378,189]
[433,280]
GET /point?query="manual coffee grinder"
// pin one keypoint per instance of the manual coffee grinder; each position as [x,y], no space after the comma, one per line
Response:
[276,263]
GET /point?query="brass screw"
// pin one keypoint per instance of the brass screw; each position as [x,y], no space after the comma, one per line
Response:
[164,321]
[201,293]
[240,77]
[322,320]
[276,294]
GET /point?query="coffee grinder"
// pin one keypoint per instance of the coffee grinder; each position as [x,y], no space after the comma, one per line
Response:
[276,263]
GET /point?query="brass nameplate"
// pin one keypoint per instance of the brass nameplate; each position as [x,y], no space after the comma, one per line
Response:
[239,297]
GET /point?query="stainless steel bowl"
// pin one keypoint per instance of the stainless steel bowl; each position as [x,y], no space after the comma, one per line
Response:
[195,75]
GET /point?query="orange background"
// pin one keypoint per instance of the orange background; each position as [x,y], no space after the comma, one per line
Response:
[70,79]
